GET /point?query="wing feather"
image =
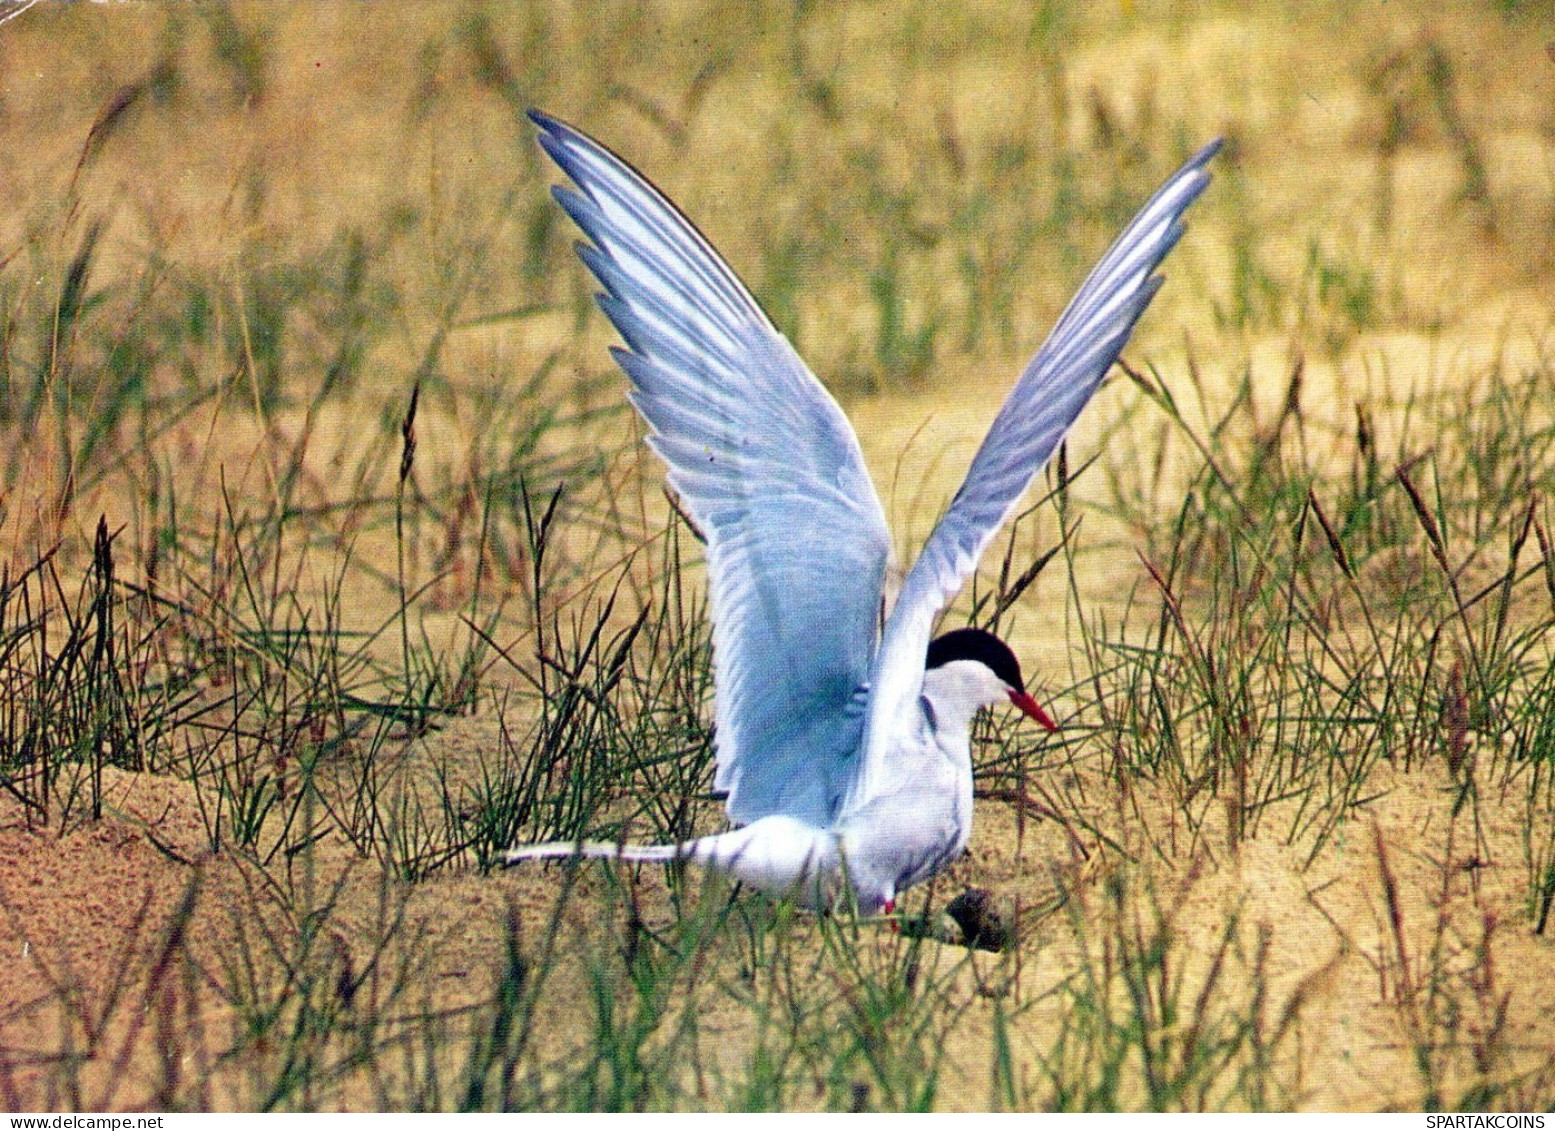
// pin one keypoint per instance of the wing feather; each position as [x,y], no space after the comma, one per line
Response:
[766,463]
[1051,392]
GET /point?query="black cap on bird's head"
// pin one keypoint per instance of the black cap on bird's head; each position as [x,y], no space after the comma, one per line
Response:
[980,645]
[995,655]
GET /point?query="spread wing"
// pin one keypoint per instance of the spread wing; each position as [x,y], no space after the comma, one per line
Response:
[1045,401]
[766,463]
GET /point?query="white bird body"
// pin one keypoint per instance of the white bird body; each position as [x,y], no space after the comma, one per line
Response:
[917,822]
[845,751]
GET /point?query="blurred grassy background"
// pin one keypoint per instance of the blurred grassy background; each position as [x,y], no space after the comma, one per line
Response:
[233,213]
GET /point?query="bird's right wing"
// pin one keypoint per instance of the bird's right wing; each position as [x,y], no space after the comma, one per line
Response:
[767,465]
[1055,386]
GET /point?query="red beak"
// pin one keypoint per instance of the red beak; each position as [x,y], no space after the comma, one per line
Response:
[1029,706]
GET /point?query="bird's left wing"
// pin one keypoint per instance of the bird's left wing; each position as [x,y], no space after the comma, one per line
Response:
[768,466]
[1055,386]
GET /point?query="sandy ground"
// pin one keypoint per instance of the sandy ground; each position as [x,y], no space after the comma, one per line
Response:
[97,918]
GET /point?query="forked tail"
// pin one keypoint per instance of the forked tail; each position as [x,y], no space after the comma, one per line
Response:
[599,850]
[779,855]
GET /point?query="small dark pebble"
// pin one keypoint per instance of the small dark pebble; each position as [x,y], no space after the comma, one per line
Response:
[982,927]
[970,920]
